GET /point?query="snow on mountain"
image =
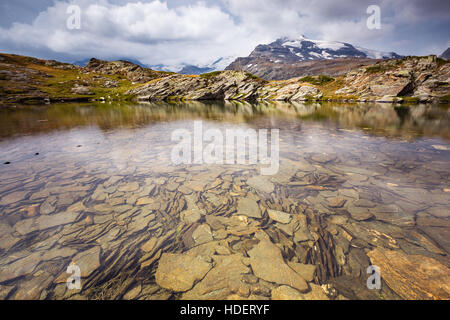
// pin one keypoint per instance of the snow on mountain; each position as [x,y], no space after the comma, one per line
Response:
[217,65]
[374,54]
[185,68]
[298,43]
[287,50]
[286,58]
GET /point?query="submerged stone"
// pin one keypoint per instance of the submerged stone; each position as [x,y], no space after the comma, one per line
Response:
[179,272]
[249,207]
[279,216]
[412,276]
[268,264]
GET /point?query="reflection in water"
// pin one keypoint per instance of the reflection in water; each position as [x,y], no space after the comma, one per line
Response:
[429,120]
[94,184]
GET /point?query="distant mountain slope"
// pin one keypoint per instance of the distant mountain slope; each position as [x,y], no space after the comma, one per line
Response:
[286,58]
[216,65]
[446,54]
[191,69]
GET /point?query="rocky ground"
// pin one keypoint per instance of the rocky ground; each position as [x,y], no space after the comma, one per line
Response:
[130,71]
[416,78]
[411,79]
[31,80]
[226,85]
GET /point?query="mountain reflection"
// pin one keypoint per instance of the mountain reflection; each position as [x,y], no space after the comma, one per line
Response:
[402,121]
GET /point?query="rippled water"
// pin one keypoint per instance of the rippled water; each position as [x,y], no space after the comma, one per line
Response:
[94,185]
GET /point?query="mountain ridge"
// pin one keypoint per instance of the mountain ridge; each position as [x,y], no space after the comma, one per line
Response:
[286,58]
[446,54]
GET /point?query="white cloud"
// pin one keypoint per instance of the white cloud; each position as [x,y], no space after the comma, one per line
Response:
[197,32]
[150,31]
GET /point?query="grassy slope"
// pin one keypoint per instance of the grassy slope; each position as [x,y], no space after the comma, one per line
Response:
[56,83]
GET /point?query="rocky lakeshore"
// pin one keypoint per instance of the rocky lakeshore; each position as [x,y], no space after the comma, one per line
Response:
[405,80]
[140,228]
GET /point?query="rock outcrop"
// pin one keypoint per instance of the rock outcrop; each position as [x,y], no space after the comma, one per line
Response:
[129,70]
[422,78]
[411,79]
[416,79]
[226,85]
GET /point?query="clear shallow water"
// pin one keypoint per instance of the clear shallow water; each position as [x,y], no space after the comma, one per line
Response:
[94,184]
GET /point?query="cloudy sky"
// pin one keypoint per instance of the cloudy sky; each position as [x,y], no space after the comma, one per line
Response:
[198,32]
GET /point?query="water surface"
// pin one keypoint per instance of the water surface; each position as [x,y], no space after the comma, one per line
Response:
[94,185]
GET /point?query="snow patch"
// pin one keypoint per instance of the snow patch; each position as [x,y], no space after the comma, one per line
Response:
[375,54]
[321,44]
[315,54]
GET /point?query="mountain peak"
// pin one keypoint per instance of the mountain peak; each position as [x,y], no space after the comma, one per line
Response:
[446,54]
[285,52]
[290,50]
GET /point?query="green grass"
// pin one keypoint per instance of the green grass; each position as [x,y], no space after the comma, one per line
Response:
[445,99]
[252,76]
[317,80]
[441,62]
[410,100]
[376,69]
[57,83]
[210,74]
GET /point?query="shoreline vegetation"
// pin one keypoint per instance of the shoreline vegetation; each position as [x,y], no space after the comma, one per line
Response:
[27,80]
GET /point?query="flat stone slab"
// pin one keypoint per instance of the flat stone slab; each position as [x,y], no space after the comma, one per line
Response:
[249,207]
[224,279]
[45,222]
[286,293]
[88,261]
[279,216]
[261,183]
[414,277]
[268,264]
[179,272]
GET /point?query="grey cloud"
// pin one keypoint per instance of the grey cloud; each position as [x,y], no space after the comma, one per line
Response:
[179,31]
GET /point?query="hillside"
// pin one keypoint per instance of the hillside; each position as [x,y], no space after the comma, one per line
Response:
[30,80]
[411,79]
[269,70]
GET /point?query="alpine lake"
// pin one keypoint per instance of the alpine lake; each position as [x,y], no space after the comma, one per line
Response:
[93,186]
